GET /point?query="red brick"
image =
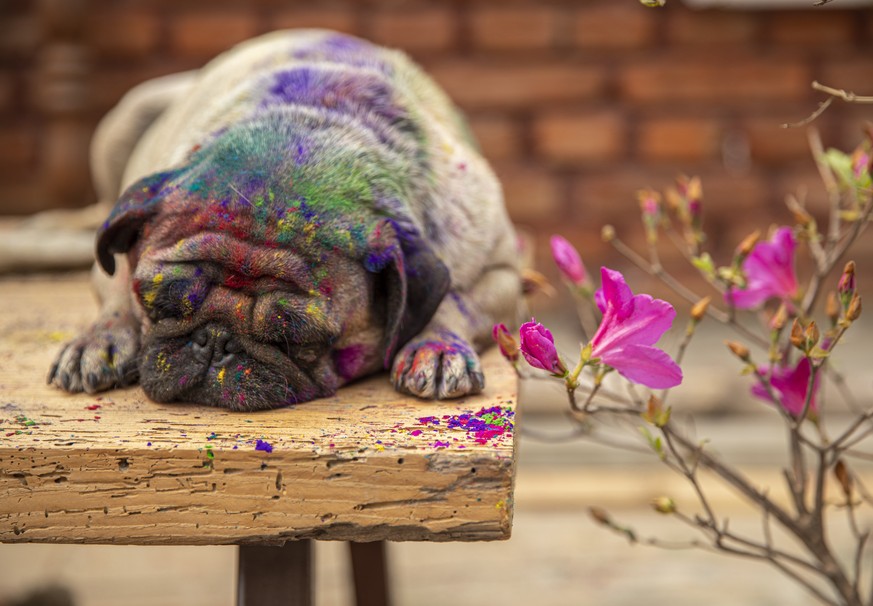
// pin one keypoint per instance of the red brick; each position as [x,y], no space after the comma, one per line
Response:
[22,196]
[427,29]
[110,85]
[531,194]
[679,139]
[17,148]
[7,92]
[734,206]
[337,19]
[499,137]
[711,27]
[591,138]
[513,27]
[812,29]
[732,80]
[769,143]
[205,34]
[19,35]
[610,196]
[126,34]
[618,25]
[851,127]
[804,182]
[853,75]
[486,85]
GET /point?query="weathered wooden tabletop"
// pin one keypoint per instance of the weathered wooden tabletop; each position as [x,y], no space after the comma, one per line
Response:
[366,464]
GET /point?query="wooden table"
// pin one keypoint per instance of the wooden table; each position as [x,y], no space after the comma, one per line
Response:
[115,468]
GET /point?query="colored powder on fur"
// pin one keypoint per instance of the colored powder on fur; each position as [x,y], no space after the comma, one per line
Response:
[263,445]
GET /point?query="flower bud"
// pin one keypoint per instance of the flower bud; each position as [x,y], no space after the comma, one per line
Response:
[745,247]
[650,203]
[854,311]
[568,261]
[698,311]
[607,233]
[538,348]
[664,505]
[739,350]
[506,342]
[801,216]
[841,472]
[600,515]
[832,308]
[811,334]
[694,195]
[650,206]
[533,281]
[777,322]
[846,286]
[798,339]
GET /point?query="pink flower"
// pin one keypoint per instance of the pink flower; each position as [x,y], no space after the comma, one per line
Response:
[631,325]
[538,348]
[790,385]
[769,270]
[568,261]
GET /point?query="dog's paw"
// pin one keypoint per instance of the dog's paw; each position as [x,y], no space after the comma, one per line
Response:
[103,357]
[442,366]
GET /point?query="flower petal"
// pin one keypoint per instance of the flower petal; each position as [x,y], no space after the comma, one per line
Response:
[616,292]
[647,320]
[645,365]
[769,269]
[749,297]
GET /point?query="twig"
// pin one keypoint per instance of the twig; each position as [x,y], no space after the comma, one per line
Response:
[821,108]
[846,96]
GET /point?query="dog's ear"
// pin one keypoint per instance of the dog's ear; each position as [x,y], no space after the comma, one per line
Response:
[137,204]
[413,278]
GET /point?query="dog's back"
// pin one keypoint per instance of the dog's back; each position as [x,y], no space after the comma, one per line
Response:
[453,197]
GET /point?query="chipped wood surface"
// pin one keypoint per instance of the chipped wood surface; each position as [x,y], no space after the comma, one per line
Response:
[118,468]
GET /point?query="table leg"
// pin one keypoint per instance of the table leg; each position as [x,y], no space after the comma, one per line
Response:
[370,572]
[275,576]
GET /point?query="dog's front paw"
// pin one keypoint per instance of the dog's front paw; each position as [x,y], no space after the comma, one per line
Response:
[440,366]
[103,357]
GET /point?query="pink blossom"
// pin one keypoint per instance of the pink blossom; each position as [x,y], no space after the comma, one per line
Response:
[631,325]
[790,385]
[568,261]
[538,348]
[769,270]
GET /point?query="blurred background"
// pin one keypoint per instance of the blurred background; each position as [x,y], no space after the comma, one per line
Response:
[577,105]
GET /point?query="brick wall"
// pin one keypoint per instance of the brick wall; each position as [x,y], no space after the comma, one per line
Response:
[577,104]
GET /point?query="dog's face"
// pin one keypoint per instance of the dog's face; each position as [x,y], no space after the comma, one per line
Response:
[265,273]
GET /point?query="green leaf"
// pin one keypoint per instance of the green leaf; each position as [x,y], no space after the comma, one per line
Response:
[841,164]
[705,264]
[654,442]
[818,353]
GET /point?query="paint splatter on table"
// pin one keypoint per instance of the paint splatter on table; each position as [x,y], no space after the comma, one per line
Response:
[366,464]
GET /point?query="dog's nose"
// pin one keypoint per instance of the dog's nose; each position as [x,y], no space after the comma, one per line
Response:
[215,344]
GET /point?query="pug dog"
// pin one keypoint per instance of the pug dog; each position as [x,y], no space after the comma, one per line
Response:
[307,209]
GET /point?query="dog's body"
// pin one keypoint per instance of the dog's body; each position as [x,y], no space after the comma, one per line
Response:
[305,210]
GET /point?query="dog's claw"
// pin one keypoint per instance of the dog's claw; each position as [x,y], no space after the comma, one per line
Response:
[101,358]
[444,367]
